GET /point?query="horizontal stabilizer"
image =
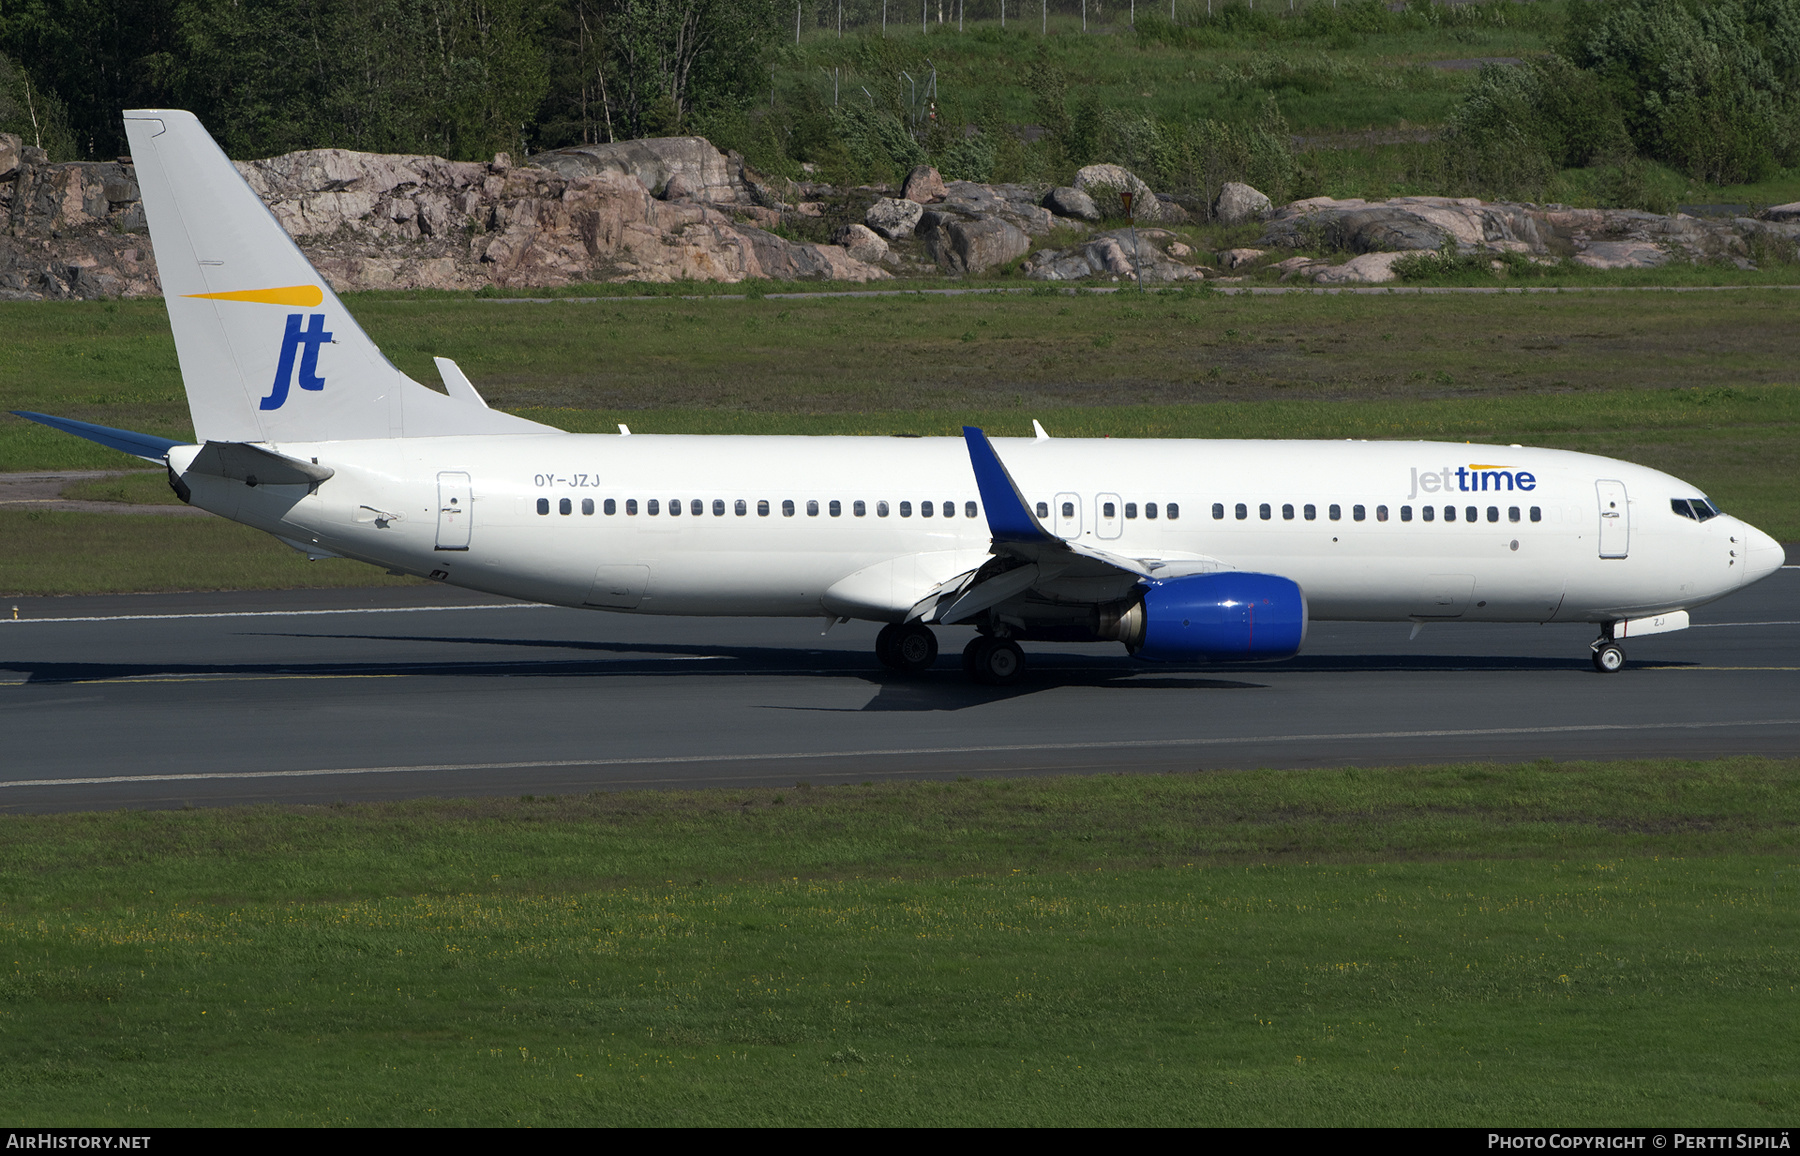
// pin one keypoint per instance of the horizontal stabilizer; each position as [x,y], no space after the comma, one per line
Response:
[255,466]
[457,383]
[138,445]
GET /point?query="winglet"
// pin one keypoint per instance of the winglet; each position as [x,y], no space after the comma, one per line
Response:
[139,445]
[1037,428]
[1009,517]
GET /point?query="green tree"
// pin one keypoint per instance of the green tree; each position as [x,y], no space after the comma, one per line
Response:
[94,57]
[38,117]
[461,78]
[668,59]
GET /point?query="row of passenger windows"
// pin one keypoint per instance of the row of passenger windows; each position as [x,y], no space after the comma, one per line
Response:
[1111,510]
[697,508]
[1335,513]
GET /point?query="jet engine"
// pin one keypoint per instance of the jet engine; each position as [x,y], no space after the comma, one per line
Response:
[1229,616]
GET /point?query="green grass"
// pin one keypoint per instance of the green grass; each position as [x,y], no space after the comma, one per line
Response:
[58,552]
[1702,385]
[1327,77]
[143,488]
[1586,944]
[115,363]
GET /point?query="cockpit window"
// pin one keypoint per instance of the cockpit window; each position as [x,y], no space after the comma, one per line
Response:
[1698,509]
[1680,506]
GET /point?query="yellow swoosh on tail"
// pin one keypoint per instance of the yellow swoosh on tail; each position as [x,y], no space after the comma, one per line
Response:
[304,296]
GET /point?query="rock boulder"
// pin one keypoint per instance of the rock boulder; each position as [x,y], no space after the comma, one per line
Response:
[1104,183]
[1238,202]
[923,186]
[963,245]
[894,218]
[1071,202]
[862,243]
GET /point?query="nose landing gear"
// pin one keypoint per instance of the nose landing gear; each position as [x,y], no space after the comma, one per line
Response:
[1609,656]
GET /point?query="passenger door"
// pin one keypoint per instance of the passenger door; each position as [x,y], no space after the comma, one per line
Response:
[454,511]
[1615,519]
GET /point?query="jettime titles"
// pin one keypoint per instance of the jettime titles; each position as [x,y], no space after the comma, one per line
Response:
[1470,479]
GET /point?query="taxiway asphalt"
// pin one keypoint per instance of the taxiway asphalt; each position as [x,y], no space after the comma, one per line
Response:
[324,696]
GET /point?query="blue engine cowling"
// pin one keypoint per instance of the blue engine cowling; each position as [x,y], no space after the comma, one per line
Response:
[1219,617]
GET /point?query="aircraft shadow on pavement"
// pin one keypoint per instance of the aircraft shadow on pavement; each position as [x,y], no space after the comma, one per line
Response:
[940,689]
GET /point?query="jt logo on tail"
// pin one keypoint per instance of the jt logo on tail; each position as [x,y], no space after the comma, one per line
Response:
[291,341]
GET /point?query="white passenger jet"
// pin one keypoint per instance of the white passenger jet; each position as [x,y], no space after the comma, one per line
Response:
[1181,550]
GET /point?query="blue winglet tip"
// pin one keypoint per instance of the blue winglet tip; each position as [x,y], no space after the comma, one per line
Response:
[1009,518]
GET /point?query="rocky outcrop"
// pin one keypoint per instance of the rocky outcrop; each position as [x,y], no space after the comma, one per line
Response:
[70,230]
[677,208]
[1368,269]
[1017,205]
[1600,238]
[676,168]
[1116,256]
[662,210]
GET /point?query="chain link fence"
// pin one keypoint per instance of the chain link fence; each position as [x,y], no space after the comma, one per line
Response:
[815,19]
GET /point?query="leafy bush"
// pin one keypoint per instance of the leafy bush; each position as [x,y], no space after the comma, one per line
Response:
[1707,86]
[968,158]
[1197,157]
[876,139]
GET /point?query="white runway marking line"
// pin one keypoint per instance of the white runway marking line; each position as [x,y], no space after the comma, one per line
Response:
[1709,625]
[286,613]
[795,756]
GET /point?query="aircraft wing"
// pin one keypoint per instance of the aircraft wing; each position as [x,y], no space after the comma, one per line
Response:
[1027,557]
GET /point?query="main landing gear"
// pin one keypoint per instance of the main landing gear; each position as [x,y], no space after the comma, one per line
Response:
[912,647]
[993,661]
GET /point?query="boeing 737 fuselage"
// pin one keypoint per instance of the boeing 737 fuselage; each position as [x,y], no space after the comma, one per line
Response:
[1181,550]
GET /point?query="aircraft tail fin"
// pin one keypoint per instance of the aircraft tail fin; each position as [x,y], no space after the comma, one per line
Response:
[268,352]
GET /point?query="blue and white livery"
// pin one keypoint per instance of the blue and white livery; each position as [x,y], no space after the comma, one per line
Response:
[1180,550]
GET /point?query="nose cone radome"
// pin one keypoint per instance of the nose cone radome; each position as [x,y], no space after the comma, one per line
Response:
[1763,555]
